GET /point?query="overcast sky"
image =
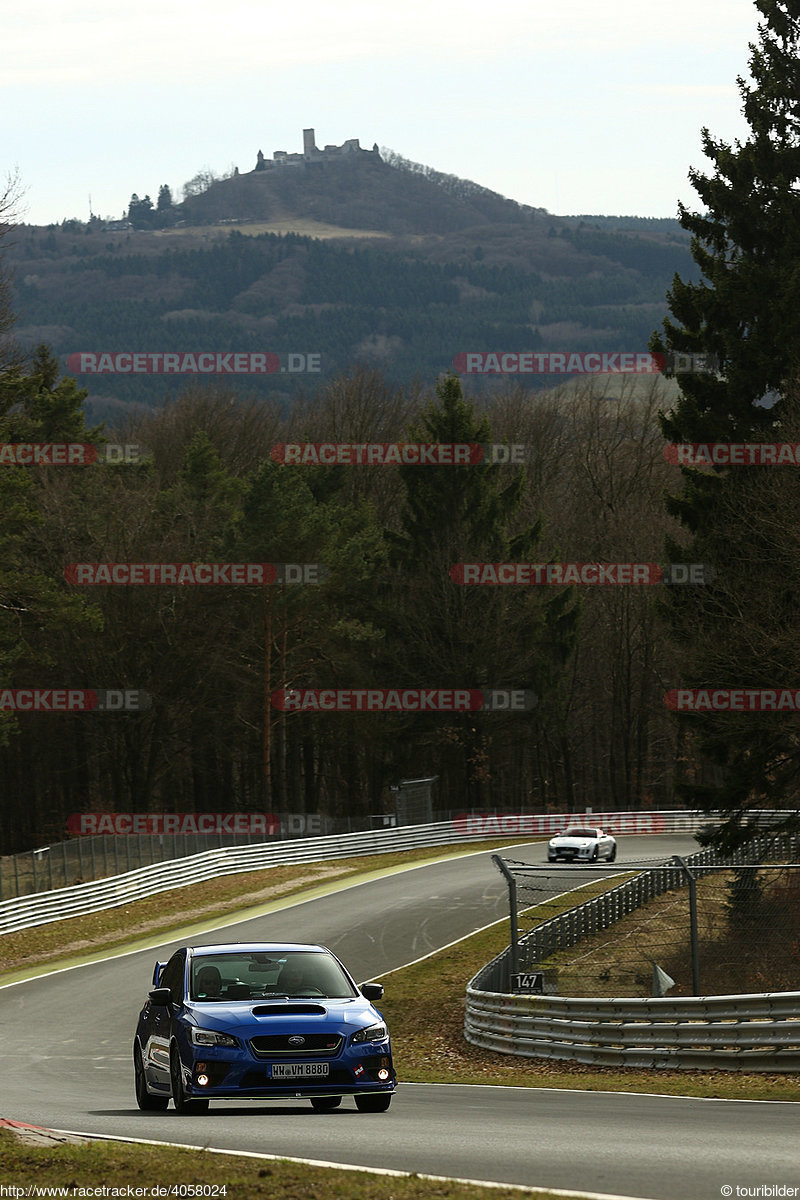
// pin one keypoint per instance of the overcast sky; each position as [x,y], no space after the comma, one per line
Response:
[569,105]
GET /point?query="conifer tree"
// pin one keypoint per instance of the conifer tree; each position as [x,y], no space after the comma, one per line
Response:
[443,634]
[745,309]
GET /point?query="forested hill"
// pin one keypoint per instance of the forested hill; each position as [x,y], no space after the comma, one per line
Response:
[358,192]
[390,266]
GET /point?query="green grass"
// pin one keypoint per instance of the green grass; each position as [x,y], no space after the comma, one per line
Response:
[122,1165]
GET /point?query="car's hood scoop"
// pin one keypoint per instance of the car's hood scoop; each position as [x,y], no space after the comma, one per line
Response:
[283,1008]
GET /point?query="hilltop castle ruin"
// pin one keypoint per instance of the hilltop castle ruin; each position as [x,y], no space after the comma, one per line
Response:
[313,156]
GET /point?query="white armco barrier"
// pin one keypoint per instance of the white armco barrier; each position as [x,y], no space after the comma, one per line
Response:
[22,912]
[733,1033]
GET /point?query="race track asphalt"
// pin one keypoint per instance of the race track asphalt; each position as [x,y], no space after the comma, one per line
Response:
[65,1063]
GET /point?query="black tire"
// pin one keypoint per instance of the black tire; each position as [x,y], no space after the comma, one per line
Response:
[146,1102]
[613,854]
[183,1105]
[325,1103]
[373,1104]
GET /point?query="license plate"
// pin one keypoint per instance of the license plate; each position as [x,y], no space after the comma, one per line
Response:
[305,1070]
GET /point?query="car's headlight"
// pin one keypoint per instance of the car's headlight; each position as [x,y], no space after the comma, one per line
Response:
[372,1033]
[210,1037]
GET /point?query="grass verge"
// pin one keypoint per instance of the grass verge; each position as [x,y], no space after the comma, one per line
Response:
[121,1165]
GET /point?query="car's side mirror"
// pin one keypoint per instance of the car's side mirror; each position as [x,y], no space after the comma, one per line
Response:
[161,996]
[371,991]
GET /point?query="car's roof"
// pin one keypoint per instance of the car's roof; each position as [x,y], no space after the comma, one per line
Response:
[256,947]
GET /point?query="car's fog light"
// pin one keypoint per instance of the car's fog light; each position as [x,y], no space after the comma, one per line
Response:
[202,1081]
[383,1073]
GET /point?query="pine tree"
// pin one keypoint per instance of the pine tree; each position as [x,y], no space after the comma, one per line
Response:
[745,309]
[444,634]
[35,609]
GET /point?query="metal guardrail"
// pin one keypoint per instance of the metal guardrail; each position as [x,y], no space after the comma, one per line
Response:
[99,855]
[23,912]
[758,1032]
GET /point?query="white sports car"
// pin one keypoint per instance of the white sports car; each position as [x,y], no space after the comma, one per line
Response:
[582,843]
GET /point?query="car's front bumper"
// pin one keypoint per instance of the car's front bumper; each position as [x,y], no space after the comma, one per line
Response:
[243,1076]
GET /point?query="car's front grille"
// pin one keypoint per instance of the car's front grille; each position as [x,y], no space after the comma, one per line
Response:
[324,1044]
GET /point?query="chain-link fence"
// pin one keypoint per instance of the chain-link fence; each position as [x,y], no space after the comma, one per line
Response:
[707,925]
[98,856]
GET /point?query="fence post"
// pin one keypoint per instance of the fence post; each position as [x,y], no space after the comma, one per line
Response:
[512,908]
[692,925]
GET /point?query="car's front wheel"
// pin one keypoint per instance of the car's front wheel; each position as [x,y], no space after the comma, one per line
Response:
[145,1101]
[374,1104]
[325,1103]
[613,854]
[183,1104]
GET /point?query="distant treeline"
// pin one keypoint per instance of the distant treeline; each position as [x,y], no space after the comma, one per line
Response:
[395,308]
[388,614]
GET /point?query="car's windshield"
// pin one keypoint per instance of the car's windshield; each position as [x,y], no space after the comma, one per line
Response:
[262,975]
[590,833]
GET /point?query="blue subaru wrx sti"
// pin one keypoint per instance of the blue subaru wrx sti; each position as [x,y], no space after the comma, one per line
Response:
[260,1021]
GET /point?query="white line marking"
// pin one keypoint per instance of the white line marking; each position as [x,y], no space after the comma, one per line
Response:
[318,1162]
